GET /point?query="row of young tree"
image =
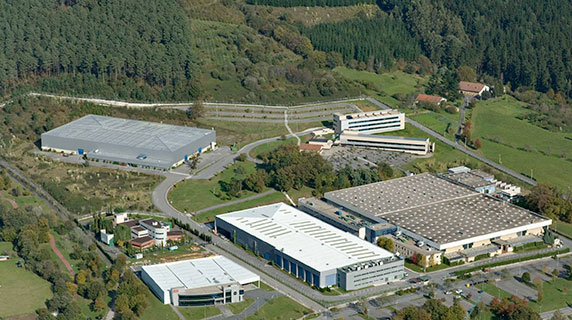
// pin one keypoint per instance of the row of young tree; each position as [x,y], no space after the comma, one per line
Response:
[525,43]
[309,3]
[98,44]
[379,41]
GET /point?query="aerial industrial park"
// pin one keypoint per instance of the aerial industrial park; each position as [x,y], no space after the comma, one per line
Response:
[348,247]
[285,159]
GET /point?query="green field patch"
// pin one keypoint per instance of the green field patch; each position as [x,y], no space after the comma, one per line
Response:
[192,195]
[522,146]
[21,291]
[197,313]
[562,227]
[494,290]
[267,147]
[268,199]
[280,308]
[239,307]
[266,287]
[157,310]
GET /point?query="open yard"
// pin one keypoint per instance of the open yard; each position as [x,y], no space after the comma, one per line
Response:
[192,195]
[197,313]
[21,291]
[524,147]
[239,307]
[157,310]
[268,199]
[280,308]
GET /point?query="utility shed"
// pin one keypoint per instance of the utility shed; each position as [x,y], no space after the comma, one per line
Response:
[125,141]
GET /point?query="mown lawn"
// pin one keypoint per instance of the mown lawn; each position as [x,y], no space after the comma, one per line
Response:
[192,195]
[522,146]
[267,147]
[562,227]
[280,308]
[157,310]
[239,307]
[197,313]
[268,199]
[21,291]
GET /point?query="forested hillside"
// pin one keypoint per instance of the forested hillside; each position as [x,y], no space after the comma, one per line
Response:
[378,41]
[94,44]
[525,43]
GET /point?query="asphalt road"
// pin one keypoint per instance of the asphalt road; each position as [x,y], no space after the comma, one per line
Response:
[460,147]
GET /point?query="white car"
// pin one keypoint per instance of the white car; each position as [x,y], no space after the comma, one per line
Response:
[458,291]
[448,292]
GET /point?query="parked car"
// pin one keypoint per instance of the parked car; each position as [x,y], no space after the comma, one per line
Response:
[458,291]
[448,292]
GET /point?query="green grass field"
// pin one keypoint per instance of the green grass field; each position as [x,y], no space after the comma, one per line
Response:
[562,227]
[197,313]
[239,307]
[280,308]
[157,310]
[439,122]
[21,291]
[192,195]
[494,290]
[390,83]
[268,199]
[520,144]
[265,148]
[266,287]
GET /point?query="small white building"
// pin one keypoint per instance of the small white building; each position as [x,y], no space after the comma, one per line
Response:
[205,281]
[120,218]
[157,230]
[106,237]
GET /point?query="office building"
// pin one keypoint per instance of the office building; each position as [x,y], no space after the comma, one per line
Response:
[416,146]
[124,141]
[370,122]
[309,248]
[199,282]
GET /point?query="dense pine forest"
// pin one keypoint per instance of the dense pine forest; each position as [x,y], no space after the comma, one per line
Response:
[107,40]
[309,3]
[525,43]
[378,41]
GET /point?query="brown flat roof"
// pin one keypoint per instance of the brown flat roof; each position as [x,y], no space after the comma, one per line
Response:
[471,86]
[310,147]
[142,241]
[429,98]
[130,223]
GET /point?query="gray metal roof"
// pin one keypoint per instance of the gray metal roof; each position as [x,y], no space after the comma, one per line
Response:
[129,133]
[435,208]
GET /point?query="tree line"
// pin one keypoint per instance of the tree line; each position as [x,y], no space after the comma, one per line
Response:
[310,3]
[378,41]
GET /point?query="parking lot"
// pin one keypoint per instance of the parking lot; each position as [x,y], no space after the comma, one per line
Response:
[341,156]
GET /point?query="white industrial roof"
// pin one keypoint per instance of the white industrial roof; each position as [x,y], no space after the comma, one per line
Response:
[198,273]
[129,133]
[303,237]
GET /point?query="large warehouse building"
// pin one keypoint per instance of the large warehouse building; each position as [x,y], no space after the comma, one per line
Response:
[205,281]
[370,122]
[309,248]
[147,144]
[443,215]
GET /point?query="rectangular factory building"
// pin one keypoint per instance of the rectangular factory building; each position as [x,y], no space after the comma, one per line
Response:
[442,214]
[370,122]
[124,141]
[417,146]
[310,249]
[198,282]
